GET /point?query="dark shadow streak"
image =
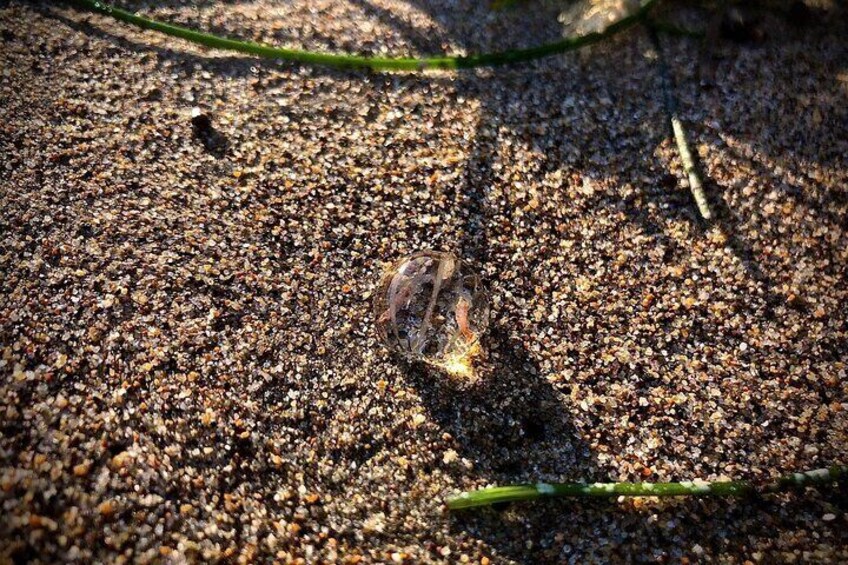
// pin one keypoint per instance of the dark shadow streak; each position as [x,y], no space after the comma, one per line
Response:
[509,421]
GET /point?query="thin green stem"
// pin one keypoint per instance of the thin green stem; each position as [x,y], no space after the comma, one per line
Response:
[373,63]
[492,495]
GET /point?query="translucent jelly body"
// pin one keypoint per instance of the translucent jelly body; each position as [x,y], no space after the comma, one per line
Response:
[430,308]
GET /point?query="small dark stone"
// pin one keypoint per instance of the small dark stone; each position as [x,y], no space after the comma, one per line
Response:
[86,231]
[7,34]
[373,114]
[155,94]
[214,141]
[668,181]
[201,121]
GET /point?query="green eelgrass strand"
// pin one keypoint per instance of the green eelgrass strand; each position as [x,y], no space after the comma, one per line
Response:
[344,61]
[515,493]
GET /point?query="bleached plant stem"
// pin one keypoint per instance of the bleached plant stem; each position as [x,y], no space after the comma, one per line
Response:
[690,165]
[691,168]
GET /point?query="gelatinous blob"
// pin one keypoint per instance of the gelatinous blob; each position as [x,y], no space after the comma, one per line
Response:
[430,308]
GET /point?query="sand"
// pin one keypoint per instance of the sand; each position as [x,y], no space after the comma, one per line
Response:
[189,364]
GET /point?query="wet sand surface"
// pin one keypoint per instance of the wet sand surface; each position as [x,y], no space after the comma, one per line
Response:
[189,365]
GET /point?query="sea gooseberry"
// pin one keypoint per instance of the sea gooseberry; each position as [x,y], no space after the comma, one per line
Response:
[431,307]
